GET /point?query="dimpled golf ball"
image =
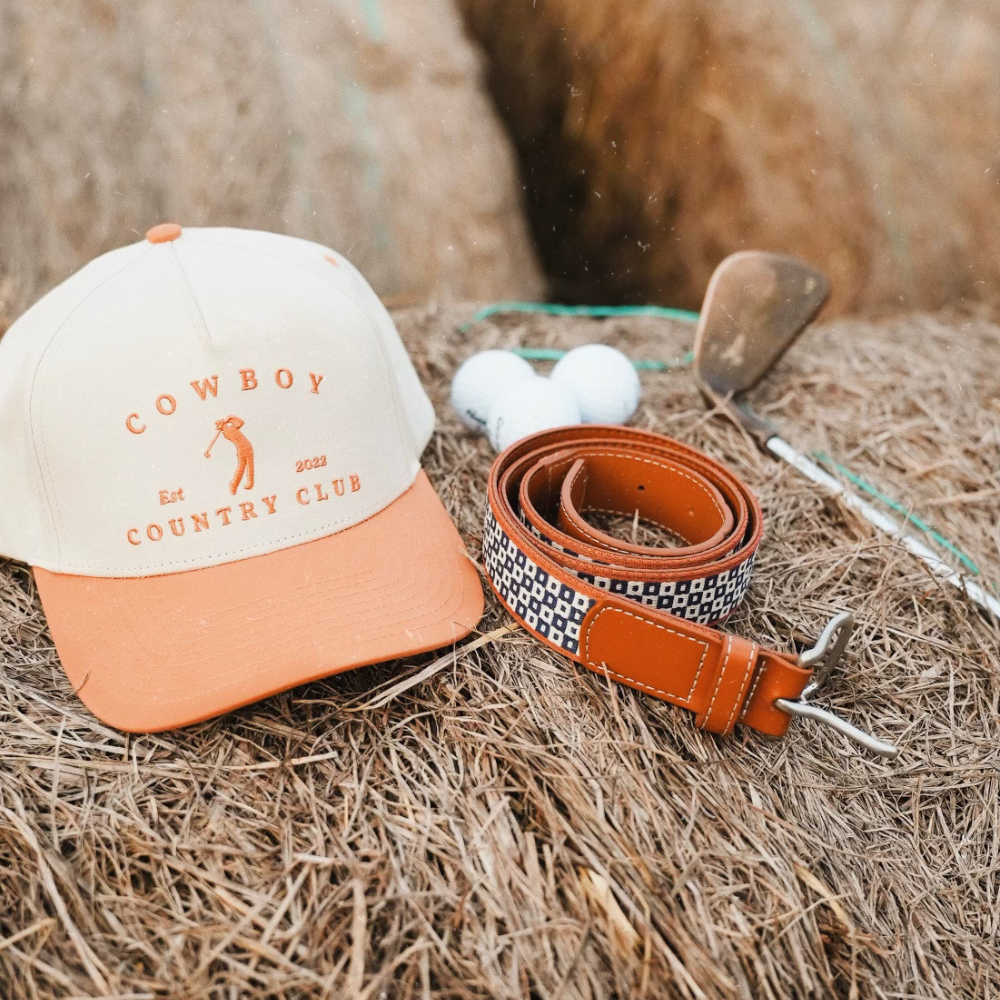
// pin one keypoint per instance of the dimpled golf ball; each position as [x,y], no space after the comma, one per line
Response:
[537,404]
[603,382]
[481,379]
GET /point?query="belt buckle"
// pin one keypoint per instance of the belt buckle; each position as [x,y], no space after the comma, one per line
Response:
[823,658]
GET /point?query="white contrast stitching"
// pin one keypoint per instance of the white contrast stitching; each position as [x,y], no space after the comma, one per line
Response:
[636,683]
[718,683]
[631,513]
[669,468]
[753,691]
[589,532]
[746,679]
[590,508]
[645,621]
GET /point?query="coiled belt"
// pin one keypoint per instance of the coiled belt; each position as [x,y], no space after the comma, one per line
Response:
[641,615]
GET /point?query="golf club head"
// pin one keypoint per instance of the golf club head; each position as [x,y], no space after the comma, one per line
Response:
[756,305]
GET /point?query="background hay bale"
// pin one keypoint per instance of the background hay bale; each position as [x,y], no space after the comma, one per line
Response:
[492,829]
[658,136]
[330,122]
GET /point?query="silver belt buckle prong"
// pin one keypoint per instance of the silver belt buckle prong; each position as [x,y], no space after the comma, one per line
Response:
[822,658]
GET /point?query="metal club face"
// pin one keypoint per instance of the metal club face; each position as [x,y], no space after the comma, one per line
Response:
[756,305]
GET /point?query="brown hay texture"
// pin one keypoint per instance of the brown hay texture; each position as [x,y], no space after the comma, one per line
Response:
[328,121]
[658,136]
[491,821]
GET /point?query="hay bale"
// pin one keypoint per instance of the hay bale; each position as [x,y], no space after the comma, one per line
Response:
[362,126]
[493,829]
[660,135]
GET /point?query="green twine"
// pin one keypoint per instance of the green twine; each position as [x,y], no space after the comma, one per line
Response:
[649,365]
[552,309]
[895,505]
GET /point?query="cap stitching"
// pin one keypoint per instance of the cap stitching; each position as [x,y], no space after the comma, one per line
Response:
[192,298]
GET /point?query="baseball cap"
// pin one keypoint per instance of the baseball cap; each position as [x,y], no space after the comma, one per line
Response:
[210,454]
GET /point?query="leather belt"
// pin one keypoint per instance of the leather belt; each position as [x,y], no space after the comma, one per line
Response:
[639,614]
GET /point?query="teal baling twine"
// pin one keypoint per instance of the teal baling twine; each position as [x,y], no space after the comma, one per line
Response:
[685,316]
[594,312]
[551,309]
[649,365]
[896,506]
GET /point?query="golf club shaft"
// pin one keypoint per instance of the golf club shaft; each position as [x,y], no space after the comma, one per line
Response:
[212,445]
[808,468]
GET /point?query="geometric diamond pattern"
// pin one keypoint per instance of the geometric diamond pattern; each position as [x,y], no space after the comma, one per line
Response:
[550,608]
[704,599]
[555,610]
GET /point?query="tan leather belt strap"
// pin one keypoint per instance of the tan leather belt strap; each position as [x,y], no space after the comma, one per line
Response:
[641,615]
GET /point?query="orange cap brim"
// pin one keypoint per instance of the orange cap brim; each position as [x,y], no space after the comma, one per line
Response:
[152,653]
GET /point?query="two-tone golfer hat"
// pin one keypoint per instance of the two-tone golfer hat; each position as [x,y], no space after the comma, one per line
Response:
[210,453]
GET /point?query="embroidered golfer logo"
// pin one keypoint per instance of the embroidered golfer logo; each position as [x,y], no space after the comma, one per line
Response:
[229,428]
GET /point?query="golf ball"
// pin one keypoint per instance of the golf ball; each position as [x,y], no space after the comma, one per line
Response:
[481,379]
[603,382]
[537,404]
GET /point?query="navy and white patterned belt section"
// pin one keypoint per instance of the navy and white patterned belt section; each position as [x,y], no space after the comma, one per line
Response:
[702,580]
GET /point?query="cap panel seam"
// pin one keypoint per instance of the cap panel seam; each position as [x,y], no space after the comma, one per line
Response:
[194,306]
[37,438]
[386,364]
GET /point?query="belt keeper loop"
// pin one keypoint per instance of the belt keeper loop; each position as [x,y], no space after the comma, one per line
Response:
[737,666]
[577,474]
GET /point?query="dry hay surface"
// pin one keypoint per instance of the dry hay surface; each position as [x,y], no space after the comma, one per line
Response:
[363,125]
[660,135]
[495,822]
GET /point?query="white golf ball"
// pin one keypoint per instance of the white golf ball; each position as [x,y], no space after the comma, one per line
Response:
[481,379]
[537,404]
[603,382]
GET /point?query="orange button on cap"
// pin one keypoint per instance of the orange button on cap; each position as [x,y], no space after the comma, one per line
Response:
[164,232]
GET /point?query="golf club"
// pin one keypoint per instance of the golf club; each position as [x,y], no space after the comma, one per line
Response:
[208,450]
[755,307]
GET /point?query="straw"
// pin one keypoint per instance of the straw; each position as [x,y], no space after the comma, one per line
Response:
[497,822]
